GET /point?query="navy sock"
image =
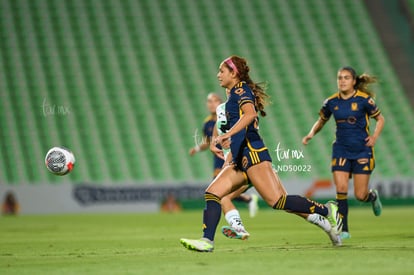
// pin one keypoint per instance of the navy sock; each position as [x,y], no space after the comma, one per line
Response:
[342,199]
[298,204]
[211,215]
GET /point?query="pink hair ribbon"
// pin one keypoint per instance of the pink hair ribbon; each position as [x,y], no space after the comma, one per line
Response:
[230,63]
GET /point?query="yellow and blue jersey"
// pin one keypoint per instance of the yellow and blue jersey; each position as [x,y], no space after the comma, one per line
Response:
[352,123]
[249,137]
[208,127]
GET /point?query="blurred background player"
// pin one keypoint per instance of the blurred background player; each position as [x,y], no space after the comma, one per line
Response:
[10,205]
[213,100]
[230,212]
[353,149]
[170,204]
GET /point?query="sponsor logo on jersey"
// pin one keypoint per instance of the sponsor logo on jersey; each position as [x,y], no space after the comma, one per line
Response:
[245,162]
[351,120]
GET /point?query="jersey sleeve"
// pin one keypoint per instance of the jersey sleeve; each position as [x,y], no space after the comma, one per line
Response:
[325,112]
[243,96]
[372,108]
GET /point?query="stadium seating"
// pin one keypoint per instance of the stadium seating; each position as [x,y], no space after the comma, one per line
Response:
[411,5]
[123,83]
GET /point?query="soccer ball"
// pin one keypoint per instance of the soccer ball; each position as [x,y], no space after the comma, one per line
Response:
[60,161]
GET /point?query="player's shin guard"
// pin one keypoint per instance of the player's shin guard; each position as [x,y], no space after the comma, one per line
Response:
[342,200]
[211,216]
[298,204]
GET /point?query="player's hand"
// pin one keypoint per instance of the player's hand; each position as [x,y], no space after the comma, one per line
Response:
[221,139]
[225,144]
[370,141]
[192,151]
[216,151]
[306,139]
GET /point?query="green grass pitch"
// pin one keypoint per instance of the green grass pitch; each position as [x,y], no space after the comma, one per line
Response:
[280,243]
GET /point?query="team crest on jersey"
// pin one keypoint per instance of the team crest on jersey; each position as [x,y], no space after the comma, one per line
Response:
[371,101]
[354,106]
[239,91]
[336,108]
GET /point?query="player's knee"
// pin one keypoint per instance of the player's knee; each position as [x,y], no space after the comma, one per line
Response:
[212,189]
[361,196]
[342,189]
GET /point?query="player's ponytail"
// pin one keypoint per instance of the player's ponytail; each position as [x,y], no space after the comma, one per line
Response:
[261,97]
[362,81]
[362,84]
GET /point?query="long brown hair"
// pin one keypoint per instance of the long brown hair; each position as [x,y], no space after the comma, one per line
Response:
[261,97]
[362,81]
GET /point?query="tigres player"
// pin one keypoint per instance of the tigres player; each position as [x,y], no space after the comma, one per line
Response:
[216,107]
[249,157]
[236,229]
[353,150]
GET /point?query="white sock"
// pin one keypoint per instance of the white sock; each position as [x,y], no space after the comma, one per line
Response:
[320,221]
[233,219]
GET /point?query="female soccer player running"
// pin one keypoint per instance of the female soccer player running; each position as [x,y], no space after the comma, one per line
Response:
[236,229]
[353,149]
[250,158]
[214,104]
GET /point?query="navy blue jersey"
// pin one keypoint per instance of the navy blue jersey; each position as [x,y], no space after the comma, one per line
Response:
[248,137]
[352,123]
[208,127]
